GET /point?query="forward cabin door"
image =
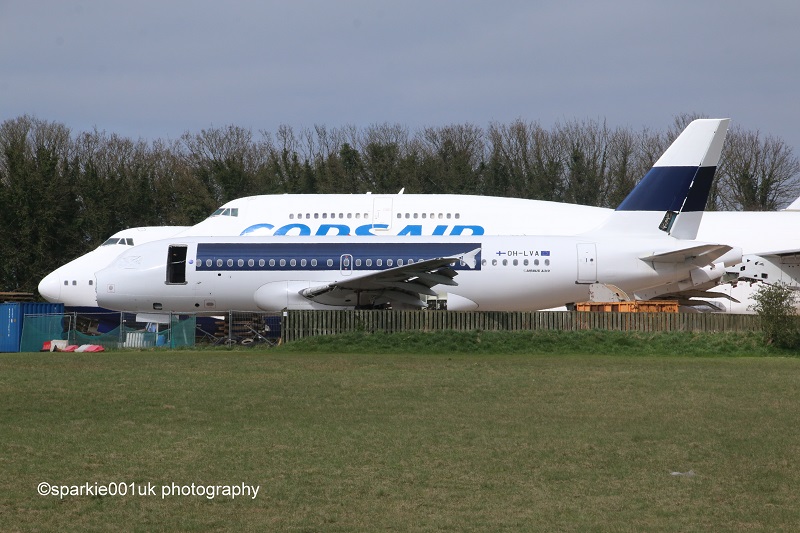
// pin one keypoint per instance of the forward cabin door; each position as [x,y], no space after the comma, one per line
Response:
[176,265]
[382,214]
[587,263]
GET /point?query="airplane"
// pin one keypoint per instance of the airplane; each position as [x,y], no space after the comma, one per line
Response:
[292,215]
[649,241]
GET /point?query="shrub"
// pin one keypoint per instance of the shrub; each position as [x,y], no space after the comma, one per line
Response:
[775,305]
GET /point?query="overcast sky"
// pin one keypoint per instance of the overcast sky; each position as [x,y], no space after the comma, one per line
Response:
[155,69]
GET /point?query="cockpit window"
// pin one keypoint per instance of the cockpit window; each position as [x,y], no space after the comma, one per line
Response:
[226,212]
[126,241]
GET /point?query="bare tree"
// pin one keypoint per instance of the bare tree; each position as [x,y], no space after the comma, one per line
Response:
[756,174]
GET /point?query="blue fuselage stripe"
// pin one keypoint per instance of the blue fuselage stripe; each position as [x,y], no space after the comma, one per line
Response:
[315,256]
[666,188]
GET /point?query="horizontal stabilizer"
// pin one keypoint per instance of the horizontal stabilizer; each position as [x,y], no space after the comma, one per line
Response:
[684,296]
[704,254]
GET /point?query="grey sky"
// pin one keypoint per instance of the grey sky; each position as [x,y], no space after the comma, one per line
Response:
[155,69]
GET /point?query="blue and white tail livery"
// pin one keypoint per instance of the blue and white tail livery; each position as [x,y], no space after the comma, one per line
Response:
[678,185]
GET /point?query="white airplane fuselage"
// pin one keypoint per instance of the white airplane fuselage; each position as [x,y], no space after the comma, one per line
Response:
[260,274]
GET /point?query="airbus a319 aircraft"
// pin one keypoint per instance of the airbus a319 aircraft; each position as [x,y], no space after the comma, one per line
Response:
[647,242]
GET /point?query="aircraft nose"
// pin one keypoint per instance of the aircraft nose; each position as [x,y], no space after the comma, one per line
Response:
[50,288]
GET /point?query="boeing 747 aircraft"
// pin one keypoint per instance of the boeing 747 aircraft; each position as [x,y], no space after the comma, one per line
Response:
[647,242]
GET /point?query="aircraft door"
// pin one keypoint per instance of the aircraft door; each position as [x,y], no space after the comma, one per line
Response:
[587,263]
[346,264]
[176,265]
[382,214]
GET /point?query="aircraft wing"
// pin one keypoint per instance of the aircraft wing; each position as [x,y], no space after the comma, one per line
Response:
[398,286]
[701,255]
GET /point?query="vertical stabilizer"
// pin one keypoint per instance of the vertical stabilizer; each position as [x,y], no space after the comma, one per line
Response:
[675,191]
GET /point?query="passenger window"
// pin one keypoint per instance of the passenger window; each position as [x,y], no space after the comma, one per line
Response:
[283,262]
[505,262]
[293,262]
[515,262]
[313,262]
[272,262]
[494,262]
[219,262]
[251,263]
[208,263]
[240,263]
[368,262]
[230,262]
[330,262]
[379,262]
[302,262]
[389,262]
[261,262]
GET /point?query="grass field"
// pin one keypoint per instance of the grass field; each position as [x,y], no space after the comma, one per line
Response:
[454,441]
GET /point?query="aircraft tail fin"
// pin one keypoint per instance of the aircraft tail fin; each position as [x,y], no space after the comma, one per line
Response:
[672,196]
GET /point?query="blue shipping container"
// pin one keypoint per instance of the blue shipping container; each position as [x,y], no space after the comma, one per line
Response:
[12,316]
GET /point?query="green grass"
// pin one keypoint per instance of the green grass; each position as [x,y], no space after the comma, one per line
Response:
[543,342]
[391,441]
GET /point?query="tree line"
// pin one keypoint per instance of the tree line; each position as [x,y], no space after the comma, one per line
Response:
[63,193]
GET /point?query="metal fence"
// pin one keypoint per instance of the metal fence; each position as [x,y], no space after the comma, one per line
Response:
[234,328]
[109,330]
